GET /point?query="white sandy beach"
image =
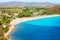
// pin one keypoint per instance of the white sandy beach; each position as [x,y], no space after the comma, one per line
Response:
[19,20]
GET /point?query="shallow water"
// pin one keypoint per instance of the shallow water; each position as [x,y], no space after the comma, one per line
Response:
[39,29]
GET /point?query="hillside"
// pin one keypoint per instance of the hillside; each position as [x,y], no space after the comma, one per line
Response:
[14,3]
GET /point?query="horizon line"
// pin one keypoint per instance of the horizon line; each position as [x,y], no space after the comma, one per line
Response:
[29,2]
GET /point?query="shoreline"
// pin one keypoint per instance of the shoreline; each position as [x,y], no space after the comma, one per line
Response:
[11,29]
[19,20]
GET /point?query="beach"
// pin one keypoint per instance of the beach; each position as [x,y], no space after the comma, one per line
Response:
[19,20]
[10,30]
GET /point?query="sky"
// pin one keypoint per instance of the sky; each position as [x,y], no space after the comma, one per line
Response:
[53,1]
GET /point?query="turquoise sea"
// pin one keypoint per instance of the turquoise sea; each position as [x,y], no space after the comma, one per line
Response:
[39,29]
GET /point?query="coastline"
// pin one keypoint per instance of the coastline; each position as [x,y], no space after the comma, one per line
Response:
[9,32]
[18,20]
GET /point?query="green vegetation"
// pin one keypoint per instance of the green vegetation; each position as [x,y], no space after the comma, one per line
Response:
[1,31]
[9,13]
[3,38]
[2,34]
[6,29]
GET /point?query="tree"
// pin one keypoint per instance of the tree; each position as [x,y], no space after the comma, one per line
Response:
[1,31]
[55,10]
[1,22]
[6,29]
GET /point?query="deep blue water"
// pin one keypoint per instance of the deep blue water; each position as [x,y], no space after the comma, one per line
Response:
[39,29]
